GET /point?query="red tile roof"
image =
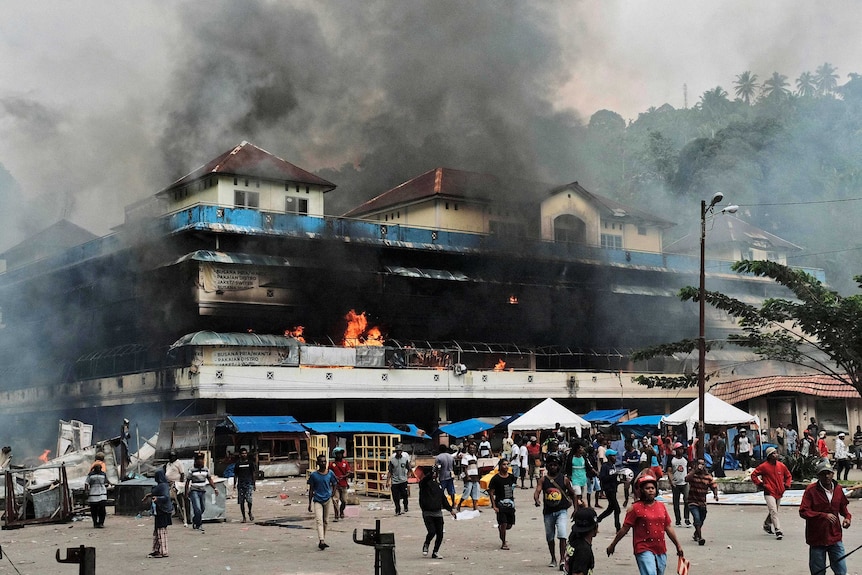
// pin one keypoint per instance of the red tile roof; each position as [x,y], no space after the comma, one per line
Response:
[459,184]
[820,385]
[249,160]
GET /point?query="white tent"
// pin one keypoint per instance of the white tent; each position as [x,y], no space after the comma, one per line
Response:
[546,415]
[715,412]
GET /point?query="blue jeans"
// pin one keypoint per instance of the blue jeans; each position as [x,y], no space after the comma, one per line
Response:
[198,501]
[651,564]
[698,515]
[555,524]
[817,558]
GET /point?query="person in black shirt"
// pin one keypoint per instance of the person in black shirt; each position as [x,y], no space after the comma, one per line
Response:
[608,479]
[432,501]
[245,472]
[501,490]
[579,552]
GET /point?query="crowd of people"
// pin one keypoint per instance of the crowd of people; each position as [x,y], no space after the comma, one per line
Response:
[569,476]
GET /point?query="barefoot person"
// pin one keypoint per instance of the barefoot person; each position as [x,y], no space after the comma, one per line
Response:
[501,490]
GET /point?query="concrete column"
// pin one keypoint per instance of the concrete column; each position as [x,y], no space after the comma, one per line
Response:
[442,408]
[338,410]
[221,407]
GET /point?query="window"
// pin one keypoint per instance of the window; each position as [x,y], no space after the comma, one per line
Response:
[642,231]
[612,242]
[243,199]
[296,205]
[506,229]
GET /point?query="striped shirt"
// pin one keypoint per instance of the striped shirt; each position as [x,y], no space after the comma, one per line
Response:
[699,484]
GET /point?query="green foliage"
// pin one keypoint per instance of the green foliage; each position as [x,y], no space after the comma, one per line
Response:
[817,329]
[802,467]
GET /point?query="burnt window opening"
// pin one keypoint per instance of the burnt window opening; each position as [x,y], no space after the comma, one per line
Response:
[244,199]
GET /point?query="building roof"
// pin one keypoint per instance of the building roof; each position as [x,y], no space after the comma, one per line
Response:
[731,230]
[249,160]
[56,238]
[611,207]
[455,184]
[819,385]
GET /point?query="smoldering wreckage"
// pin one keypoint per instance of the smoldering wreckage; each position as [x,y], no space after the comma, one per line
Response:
[54,490]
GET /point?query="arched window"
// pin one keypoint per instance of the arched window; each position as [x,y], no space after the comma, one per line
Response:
[568,228]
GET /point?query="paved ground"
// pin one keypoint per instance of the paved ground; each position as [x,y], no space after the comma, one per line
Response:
[735,543]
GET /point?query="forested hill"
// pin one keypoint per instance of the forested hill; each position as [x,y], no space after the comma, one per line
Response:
[771,148]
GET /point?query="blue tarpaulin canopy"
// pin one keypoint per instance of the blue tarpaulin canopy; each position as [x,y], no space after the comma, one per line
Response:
[351,427]
[473,425]
[640,425]
[605,416]
[262,424]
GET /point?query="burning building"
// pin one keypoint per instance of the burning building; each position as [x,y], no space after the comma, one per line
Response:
[229,291]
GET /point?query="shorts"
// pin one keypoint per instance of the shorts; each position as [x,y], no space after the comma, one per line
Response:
[593,485]
[516,471]
[471,491]
[448,486]
[506,515]
[579,489]
[555,524]
[651,564]
[698,514]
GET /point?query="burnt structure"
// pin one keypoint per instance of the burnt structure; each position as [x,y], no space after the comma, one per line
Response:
[90,329]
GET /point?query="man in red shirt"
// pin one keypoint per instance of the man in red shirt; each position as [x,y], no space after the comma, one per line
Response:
[650,521]
[775,479]
[534,451]
[822,504]
[343,472]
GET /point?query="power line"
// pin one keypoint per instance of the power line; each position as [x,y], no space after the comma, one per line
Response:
[801,203]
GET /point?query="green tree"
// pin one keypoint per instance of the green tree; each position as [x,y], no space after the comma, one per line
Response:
[817,329]
[746,86]
[806,86]
[775,88]
[826,79]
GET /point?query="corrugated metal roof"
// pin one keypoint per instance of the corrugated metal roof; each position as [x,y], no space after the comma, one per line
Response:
[263,424]
[819,385]
[249,160]
[235,339]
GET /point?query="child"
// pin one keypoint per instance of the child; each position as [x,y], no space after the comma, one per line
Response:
[579,552]
[648,518]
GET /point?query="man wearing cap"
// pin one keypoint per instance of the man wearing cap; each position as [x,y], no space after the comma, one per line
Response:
[343,473]
[557,494]
[775,478]
[399,470]
[648,519]
[579,552]
[842,457]
[678,485]
[608,479]
[823,505]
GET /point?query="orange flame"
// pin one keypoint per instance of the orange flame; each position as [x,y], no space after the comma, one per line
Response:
[500,366]
[44,457]
[296,333]
[358,333]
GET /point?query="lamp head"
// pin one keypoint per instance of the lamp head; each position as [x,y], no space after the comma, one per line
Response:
[732,209]
[716,198]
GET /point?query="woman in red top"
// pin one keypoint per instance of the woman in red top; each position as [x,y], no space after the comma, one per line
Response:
[650,521]
[821,445]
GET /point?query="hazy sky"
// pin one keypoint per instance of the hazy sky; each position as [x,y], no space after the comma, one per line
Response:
[103,104]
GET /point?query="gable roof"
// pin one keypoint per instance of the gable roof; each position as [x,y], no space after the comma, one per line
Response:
[249,160]
[546,415]
[715,412]
[56,238]
[455,184]
[729,229]
[613,208]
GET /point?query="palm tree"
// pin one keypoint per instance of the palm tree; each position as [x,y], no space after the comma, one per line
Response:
[826,79]
[714,102]
[746,86]
[775,88]
[806,86]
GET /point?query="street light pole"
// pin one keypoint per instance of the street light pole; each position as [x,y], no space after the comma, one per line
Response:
[701,339]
